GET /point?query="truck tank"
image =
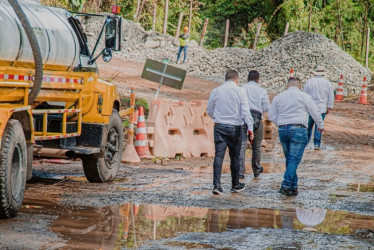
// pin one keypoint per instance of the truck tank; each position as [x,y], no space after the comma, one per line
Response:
[57,40]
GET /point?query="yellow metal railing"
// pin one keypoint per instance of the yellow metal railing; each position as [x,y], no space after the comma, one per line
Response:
[47,135]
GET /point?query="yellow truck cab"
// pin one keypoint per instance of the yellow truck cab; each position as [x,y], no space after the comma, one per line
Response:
[69,113]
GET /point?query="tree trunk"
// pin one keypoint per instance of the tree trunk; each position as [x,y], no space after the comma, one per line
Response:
[226,33]
[364,28]
[286,29]
[190,17]
[367,48]
[257,35]
[137,11]
[336,34]
[179,24]
[310,16]
[154,16]
[204,31]
[140,10]
[166,17]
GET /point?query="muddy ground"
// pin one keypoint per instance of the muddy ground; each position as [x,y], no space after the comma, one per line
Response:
[170,206]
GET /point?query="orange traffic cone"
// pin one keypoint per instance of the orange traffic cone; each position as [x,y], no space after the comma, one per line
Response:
[364,96]
[129,154]
[339,90]
[141,141]
[291,73]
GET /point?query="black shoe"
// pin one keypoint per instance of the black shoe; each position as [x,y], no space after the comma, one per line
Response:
[217,190]
[241,176]
[258,172]
[294,191]
[238,188]
[288,191]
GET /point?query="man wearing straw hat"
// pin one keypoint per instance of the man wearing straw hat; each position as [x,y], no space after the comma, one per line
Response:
[321,91]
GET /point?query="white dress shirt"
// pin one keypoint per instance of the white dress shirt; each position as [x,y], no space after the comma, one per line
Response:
[320,89]
[292,107]
[257,96]
[228,105]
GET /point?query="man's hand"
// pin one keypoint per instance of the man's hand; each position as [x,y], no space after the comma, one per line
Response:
[328,111]
[320,130]
[250,136]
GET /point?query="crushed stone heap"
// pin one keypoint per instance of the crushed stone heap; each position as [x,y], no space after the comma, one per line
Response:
[301,51]
[138,44]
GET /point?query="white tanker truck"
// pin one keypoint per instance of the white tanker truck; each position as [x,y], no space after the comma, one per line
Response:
[51,99]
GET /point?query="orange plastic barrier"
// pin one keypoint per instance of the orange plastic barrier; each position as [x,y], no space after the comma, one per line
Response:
[202,126]
[180,128]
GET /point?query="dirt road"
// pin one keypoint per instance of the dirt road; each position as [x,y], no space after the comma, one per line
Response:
[153,206]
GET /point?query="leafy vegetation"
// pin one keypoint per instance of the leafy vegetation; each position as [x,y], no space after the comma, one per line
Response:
[344,21]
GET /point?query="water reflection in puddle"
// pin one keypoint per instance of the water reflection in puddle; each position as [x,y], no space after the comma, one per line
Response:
[130,225]
[358,187]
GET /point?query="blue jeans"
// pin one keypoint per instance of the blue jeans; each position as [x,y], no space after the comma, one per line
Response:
[184,49]
[294,140]
[317,134]
[226,136]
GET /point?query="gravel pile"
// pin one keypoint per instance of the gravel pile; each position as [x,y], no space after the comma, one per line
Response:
[304,51]
[301,51]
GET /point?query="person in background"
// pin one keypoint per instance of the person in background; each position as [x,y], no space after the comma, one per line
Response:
[228,107]
[184,40]
[259,103]
[290,111]
[320,89]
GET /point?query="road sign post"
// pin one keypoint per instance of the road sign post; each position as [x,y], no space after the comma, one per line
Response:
[163,74]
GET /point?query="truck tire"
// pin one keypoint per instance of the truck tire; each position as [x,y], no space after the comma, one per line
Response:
[13,168]
[105,168]
[30,157]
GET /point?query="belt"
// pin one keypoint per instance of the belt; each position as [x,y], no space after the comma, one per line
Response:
[293,125]
[228,125]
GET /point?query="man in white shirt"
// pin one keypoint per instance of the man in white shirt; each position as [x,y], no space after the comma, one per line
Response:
[320,89]
[259,103]
[228,107]
[290,111]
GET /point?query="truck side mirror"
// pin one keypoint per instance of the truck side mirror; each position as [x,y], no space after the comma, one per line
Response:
[107,55]
[113,33]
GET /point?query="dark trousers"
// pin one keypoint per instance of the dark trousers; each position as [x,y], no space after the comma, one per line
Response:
[317,134]
[226,136]
[256,149]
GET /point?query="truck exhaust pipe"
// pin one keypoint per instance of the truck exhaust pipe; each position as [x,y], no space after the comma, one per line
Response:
[54,153]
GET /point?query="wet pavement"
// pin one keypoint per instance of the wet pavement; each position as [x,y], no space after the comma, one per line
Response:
[132,225]
[170,206]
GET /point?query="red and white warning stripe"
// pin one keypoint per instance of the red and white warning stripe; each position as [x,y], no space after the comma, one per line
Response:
[52,137]
[291,73]
[339,90]
[55,111]
[14,77]
[364,87]
[49,79]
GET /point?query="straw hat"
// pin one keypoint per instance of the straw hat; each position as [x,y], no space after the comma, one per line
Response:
[319,71]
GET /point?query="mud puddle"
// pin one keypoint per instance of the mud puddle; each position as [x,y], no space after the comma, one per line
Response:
[131,225]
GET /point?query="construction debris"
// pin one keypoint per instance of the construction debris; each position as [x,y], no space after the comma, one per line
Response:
[301,51]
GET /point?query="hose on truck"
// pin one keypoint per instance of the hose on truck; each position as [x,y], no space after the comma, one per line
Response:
[35,50]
